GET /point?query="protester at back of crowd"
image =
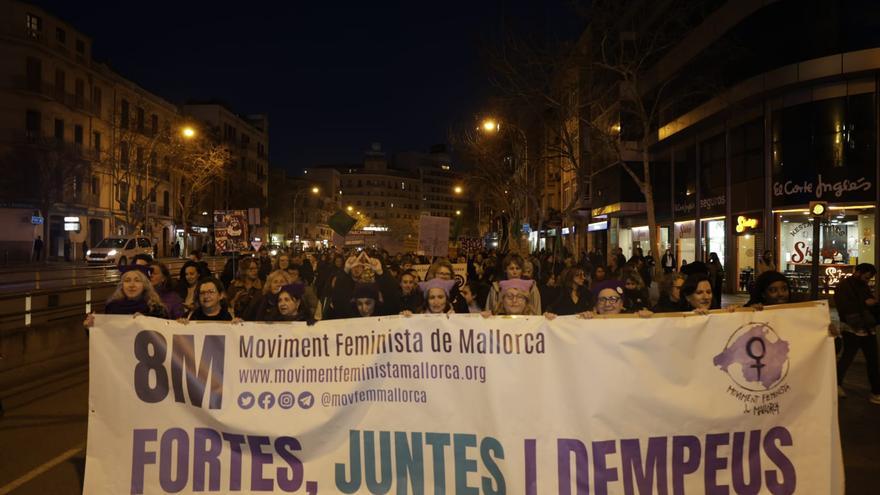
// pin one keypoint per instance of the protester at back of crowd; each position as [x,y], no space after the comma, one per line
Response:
[635,291]
[330,268]
[196,256]
[858,310]
[513,265]
[160,279]
[550,286]
[292,306]
[667,262]
[470,294]
[306,269]
[444,270]
[281,262]
[360,269]
[514,298]
[610,299]
[770,288]
[212,302]
[142,259]
[261,308]
[246,287]
[265,263]
[411,298]
[230,268]
[599,274]
[134,295]
[716,278]
[574,297]
[186,284]
[670,293]
[309,294]
[766,263]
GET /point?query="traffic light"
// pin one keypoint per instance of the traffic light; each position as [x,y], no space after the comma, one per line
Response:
[818,208]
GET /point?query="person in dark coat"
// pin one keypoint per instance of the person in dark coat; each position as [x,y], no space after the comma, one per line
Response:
[292,306]
[212,302]
[134,295]
[857,307]
[574,297]
[411,298]
[164,285]
[670,293]
[770,288]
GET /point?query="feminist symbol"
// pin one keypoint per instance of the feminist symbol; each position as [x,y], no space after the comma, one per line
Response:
[756,357]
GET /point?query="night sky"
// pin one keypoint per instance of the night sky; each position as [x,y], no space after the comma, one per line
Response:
[333,78]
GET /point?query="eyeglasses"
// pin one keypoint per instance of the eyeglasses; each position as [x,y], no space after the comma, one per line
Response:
[609,300]
[515,297]
[448,274]
[209,292]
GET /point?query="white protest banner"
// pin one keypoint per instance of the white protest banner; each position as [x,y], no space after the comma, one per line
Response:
[740,402]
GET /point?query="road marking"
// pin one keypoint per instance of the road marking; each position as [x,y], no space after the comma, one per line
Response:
[37,471]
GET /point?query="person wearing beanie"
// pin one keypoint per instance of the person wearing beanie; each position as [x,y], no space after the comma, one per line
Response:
[436,293]
[515,297]
[610,297]
[366,301]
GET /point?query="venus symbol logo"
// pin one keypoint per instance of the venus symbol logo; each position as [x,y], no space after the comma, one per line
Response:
[755,357]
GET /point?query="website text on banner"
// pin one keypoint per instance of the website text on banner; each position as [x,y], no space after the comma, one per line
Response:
[739,402]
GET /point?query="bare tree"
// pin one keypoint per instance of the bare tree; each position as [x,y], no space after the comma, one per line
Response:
[507,182]
[199,163]
[46,171]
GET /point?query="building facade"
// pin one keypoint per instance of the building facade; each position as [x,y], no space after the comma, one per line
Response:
[735,171]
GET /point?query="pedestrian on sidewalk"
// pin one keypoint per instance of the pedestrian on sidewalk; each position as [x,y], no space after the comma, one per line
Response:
[38,248]
[857,308]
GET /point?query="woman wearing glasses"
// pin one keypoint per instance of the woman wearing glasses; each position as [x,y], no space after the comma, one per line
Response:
[212,303]
[610,300]
[515,298]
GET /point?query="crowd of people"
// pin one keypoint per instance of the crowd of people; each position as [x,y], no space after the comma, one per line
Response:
[309,287]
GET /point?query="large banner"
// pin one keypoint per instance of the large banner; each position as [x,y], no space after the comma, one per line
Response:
[740,402]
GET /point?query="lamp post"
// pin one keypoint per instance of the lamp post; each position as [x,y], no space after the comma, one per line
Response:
[315,190]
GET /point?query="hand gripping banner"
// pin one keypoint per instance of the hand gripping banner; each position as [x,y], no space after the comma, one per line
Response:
[730,403]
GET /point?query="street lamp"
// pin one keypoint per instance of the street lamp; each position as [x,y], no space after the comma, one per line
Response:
[314,190]
[458,190]
[490,125]
[188,132]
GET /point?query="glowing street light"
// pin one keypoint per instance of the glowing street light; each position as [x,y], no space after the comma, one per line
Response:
[188,132]
[458,213]
[350,208]
[458,189]
[315,190]
[490,125]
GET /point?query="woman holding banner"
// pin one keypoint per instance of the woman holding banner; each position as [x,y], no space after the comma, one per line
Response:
[292,306]
[515,298]
[134,295]
[610,298]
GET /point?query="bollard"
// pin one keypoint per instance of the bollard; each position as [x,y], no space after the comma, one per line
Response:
[88,300]
[27,311]
[37,279]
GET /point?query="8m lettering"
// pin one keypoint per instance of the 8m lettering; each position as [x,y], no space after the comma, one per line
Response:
[151,349]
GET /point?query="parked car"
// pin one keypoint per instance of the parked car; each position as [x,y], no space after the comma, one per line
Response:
[119,250]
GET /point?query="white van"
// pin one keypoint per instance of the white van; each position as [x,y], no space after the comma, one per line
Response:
[119,250]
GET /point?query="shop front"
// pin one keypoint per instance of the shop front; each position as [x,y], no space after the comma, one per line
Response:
[825,150]
[685,242]
[748,236]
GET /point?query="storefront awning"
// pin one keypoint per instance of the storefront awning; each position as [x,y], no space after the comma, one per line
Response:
[620,209]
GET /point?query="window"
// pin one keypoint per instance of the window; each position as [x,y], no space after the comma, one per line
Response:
[144,242]
[140,119]
[154,161]
[96,101]
[61,36]
[60,83]
[139,159]
[96,185]
[32,125]
[59,130]
[154,125]
[124,153]
[80,93]
[97,145]
[130,244]
[34,74]
[80,48]
[123,114]
[138,193]
[166,201]
[78,135]
[34,26]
